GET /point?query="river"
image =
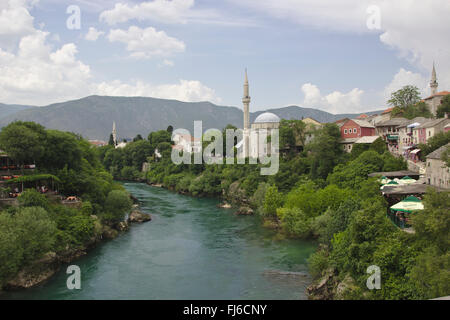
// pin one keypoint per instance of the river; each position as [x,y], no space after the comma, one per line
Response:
[190,250]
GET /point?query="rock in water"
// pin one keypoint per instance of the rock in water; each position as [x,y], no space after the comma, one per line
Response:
[109,233]
[244,211]
[224,205]
[122,226]
[137,216]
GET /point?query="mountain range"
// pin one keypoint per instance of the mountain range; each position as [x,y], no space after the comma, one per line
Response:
[8,109]
[93,116]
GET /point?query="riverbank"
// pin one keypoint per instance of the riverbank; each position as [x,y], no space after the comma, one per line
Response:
[41,270]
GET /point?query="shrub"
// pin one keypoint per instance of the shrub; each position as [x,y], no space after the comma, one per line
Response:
[295,222]
[32,198]
[257,200]
[318,263]
[272,201]
[36,232]
[117,204]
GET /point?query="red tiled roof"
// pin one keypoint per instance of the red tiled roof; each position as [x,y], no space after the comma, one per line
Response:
[438,94]
[363,116]
[387,110]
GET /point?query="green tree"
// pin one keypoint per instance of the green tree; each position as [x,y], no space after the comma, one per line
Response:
[326,150]
[111,140]
[32,198]
[272,201]
[23,141]
[406,96]
[379,146]
[37,232]
[446,156]
[444,107]
[158,137]
[61,149]
[11,252]
[431,271]
[117,204]
[434,143]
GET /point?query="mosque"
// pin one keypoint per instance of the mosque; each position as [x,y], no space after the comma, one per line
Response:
[255,142]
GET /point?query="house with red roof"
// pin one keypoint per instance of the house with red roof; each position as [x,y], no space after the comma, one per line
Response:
[354,129]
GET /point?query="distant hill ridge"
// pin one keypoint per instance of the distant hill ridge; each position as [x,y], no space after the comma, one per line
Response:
[8,109]
[93,116]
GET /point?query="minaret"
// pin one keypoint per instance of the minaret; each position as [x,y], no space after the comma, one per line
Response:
[114,133]
[246,101]
[433,83]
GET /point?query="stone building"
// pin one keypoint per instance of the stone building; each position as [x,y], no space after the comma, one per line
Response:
[431,128]
[437,172]
[436,98]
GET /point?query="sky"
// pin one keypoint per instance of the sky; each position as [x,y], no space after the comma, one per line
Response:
[343,56]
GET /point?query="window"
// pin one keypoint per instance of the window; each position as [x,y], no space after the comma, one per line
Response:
[345,131]
[354,130]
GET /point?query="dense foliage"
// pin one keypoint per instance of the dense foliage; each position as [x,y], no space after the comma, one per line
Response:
[41,224]
[444,107]
[434,143]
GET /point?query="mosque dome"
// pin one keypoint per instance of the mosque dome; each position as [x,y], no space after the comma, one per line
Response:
[267,117]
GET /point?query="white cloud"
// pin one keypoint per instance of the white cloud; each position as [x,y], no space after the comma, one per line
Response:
[147,43]
[174,11]
[335,102]
[168,63]
[185,90]
[418,30]
[15,22]
[93,34]
[32,72]
[342,15]
[170,12]
[37,75]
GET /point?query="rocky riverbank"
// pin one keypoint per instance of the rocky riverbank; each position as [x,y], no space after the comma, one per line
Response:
[329,287]
[43,269]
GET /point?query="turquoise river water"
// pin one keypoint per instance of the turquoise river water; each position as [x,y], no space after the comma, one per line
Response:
[190,250]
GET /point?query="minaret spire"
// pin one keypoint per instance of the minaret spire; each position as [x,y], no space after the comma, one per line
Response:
[114,133]
[246,101]
[433,83]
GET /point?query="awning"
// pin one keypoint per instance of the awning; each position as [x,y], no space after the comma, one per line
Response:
[392,137]
[415,151]
[409,205]
[413,125]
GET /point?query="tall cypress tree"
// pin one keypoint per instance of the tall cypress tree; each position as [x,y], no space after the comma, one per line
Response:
[111,140]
